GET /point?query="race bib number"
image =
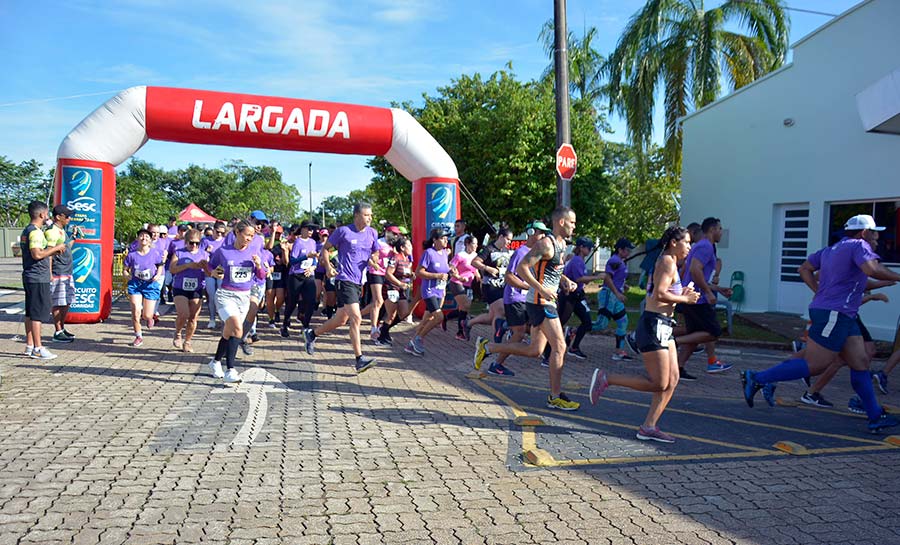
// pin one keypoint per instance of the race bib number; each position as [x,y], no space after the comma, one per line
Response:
[307,263]
[145,274]
[241,274]
[441,285]
[393,296]
[276,276]
[663,333]
[189,284]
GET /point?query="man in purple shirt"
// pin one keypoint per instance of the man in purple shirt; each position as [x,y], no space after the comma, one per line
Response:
[357,246]
[843,271]
[700,318]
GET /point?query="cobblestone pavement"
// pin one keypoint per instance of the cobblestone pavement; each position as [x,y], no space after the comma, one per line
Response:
[110,444]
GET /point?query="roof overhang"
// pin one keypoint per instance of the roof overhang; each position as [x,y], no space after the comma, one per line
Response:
[879,105]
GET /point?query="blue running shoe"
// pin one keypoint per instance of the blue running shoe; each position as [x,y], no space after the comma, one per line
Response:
[883,421]
[769,393]
[855,405]
[881,381]
[498,369]
[748,380]
[310,341]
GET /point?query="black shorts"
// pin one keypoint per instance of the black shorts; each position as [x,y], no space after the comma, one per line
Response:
[516,314]
[330,284]
[271,283]
[348,293]
[433,304]
[702,317]
[319,275]
[455,288]
[489,294]
[402,294]
[375,278]
[538,313]
[191,295]
[867,337]
[654,331]
[37,301]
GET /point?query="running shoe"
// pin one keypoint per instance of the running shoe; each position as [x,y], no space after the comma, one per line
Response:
[576,353]
[215,366]
[410,348]
[386,339]
[545,361]
[418,344]
[285,333]
[621,355]
[816,399]
[682,372]
[498,369]
[599,384]
[152,321]
[188,347]
[363,363]
[247,348]
[254,338]
[309,341]
[232,376]
[41,353]
[138,341]
[562,403]
[61,337]
[67,333]
[28,351]
[460,336]
[881,381]
[855,405]
[500,329]
[750,386]
[177,343]
[654,434]
[769,393]
[273,325]
[883,421]
[211,324]
[631,343]
[480,351]
[374,333]
[717,367]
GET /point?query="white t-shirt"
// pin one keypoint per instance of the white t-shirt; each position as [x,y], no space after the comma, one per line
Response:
[460,245]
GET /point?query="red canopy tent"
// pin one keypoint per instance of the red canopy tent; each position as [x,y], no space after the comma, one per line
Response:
[195,214]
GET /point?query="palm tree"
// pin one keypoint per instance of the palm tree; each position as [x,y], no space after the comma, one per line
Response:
[585,62]
[687,49]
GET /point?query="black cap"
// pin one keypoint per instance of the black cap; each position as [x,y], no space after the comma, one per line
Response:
[624,243]
[62,210]
[584,242]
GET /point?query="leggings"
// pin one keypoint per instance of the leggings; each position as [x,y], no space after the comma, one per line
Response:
[576,303]
[304,287]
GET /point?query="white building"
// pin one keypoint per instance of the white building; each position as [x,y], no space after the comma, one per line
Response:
[786,160]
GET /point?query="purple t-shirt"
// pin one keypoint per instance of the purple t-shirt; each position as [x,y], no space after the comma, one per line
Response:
[575,269]
[267,259]
[434,262]
[299,252]
[256,244]
[706,254]
[841,280]
[173,230]
[617,270]
[210,245]
[238,265]
[354,250]
[510,294]
[175,245]
[189,279]
[143,267]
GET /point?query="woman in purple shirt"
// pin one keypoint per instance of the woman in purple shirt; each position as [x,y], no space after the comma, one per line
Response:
[188,268]
[235,265]
[146,273]
[434,270]
[301,280]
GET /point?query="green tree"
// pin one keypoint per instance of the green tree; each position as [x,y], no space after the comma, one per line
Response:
[20,184]
[585,62]
[689,51]
[261,188]
[141,197]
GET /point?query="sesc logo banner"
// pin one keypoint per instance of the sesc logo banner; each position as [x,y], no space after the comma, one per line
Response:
[82,191]
[441,210]
[86,272]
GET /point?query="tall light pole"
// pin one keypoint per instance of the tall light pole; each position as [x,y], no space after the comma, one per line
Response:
[312,217]
[561,65]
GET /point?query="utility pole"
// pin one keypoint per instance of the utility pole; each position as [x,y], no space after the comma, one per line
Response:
[561,65]
[312,217]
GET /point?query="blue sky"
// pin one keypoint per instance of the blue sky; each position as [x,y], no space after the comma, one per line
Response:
[362,52]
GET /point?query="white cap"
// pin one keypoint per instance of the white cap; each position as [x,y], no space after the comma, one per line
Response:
[860,222]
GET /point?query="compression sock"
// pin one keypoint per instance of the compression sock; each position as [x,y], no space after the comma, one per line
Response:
[792,369]
[233,344]
[862,384]
[461,319]
[220,350]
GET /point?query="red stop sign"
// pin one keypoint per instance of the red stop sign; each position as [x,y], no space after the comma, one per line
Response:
[566,162]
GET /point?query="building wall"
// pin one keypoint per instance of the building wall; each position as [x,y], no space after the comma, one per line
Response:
[740,160]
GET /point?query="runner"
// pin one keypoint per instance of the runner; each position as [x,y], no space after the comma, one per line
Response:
[62,285]
[460,237]
[545,258]
[36,279]
[327,290]
[434,272]
[145,270]
[575,301]
[843,271]
[492,262]
[301,277]
[210,245]
[514,296]
[654,336]
[375,278]
[462,275]
[188,266]
[701,319]
[357,245]
[176,242]
[236,265]
[399,275]
[276,284]
[172,226]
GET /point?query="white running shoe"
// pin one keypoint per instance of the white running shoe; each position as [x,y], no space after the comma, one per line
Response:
[232,376]
[211,324]
[216,367]
[28,351]
[42,353]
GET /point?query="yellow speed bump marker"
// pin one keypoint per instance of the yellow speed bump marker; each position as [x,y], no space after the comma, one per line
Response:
[791,448]
[538,457]
[893,440]
[572,386]
[475,375]
[528,421]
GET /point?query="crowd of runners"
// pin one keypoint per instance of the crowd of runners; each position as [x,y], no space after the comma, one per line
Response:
[253,273]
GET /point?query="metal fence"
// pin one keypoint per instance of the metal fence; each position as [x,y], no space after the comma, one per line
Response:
[9,241]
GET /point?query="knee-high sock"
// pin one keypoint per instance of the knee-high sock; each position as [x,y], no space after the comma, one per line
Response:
[233,344]
[792,369]
[862,384]
[386,327]
[220,349]
[451,315]
[461,319]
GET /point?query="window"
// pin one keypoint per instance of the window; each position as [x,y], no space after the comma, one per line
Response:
[886,214]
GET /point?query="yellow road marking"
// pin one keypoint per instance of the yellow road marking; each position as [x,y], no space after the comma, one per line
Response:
[667,458]
[529,439]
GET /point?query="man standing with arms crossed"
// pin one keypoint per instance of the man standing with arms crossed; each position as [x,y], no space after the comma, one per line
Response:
[546,261]
[36,279]
[357,246]
[62,285]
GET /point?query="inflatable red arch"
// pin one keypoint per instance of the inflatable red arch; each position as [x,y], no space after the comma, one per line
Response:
[87,157]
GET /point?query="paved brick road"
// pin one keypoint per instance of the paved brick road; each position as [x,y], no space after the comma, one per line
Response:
[110,444]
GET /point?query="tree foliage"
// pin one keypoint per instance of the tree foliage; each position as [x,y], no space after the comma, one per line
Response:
[19,185]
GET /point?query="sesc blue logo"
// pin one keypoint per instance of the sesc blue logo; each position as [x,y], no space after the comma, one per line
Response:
[441,206]
[82,191]
[82,263]
[81,182]
[86,271]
